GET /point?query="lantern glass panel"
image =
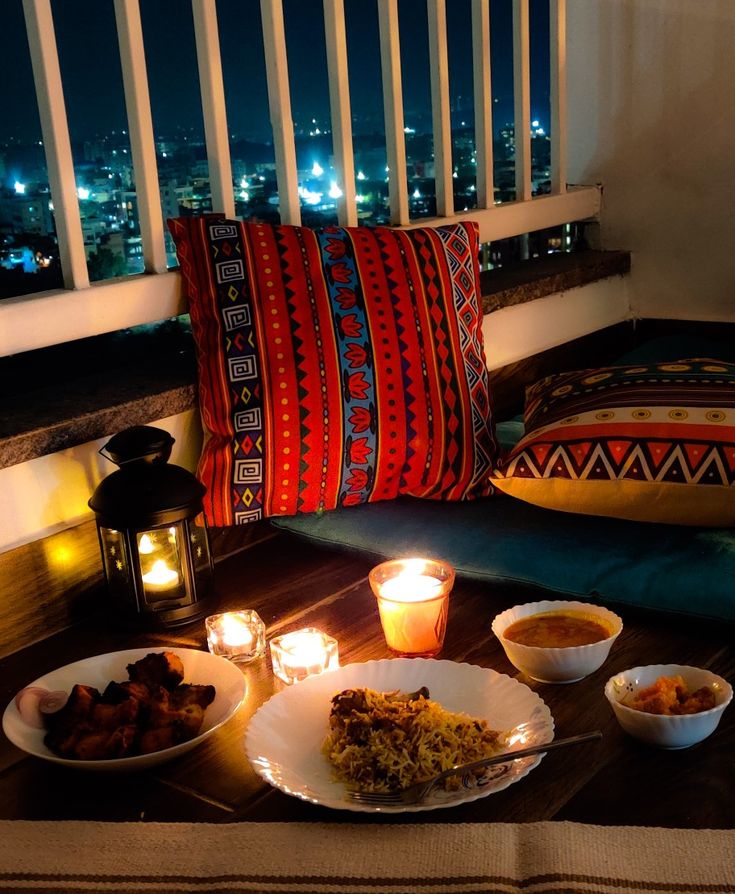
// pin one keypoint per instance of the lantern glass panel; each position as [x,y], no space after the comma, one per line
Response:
[161,565]
[200,551]
[117,567]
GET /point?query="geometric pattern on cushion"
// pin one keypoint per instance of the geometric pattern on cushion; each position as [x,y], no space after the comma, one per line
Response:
[650,442]
[336,366]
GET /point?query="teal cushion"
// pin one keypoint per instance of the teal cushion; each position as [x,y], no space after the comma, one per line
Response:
[685,570]
[690,571]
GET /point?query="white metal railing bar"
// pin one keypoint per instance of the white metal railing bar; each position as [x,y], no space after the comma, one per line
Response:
[29,322]
[339,102]
[279,102]
[440,115]
[558,85]
[522,98]
[483,103]
[212,87]
[56,142]
[519,218]
[395,140]
[140,127]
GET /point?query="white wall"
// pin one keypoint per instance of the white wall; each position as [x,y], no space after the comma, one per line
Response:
[50,494]
[512,333]
[652,117]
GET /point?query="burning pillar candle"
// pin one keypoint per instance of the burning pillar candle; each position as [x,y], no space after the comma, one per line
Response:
[239,636]
[413,602]
[302,653]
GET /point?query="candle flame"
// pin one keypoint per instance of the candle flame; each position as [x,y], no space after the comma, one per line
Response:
[161,575]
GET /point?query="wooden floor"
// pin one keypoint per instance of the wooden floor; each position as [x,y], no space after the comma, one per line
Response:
[293,584]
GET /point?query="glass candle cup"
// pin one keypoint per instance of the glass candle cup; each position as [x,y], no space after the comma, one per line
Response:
[302,653]
[239,636]
[413,601]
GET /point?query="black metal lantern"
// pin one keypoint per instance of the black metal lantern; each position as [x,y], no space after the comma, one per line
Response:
[153,537]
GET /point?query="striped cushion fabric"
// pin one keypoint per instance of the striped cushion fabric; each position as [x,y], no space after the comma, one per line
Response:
[649,442]
[336,366]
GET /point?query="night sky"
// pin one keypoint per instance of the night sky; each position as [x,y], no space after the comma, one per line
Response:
[85,31]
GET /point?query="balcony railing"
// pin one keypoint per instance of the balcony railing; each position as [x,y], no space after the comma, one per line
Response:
[81,309]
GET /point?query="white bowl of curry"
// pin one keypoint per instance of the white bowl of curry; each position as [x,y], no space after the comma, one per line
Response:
[557,641]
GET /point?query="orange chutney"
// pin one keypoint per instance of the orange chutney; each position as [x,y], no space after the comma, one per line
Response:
[557,630]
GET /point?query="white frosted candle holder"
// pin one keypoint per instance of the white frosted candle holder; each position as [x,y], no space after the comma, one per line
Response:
[300,654]
[239,635]
[413,602]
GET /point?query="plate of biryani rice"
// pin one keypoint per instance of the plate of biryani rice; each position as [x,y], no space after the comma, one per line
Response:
[383,725]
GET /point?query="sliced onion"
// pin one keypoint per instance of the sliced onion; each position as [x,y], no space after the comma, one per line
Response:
[27,702]
[51,702]
[38,689]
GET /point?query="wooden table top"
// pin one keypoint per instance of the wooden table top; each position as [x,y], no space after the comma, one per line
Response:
[292,584]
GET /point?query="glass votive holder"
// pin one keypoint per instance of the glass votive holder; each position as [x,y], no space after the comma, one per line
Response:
[239,635]
[413,602]
[297,655]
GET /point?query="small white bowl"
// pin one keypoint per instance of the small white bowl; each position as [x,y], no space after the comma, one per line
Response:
[557,665]
[663,730]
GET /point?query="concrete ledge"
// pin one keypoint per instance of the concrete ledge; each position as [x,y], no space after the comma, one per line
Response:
[51,401]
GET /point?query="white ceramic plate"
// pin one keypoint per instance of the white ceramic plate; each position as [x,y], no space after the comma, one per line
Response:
[98,671]
[284,738]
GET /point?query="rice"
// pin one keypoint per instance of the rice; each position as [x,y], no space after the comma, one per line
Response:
[386,741]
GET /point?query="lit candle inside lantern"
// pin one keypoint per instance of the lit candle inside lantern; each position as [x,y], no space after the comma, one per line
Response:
[413,601]
[161,577]
[145,545]
[302,653]
[239,635]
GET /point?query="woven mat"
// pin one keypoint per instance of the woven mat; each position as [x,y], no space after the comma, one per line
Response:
[534,858]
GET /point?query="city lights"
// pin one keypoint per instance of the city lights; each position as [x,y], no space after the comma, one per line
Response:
[309,196]
[109,206]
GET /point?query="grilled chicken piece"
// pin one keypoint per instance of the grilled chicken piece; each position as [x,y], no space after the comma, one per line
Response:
[192,694]
[105,744]
[67,725]
[110,717]
[158,669]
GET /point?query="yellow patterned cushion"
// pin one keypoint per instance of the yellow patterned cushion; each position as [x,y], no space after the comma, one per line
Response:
[648,442]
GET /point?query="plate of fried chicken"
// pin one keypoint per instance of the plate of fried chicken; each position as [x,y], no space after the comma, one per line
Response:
[127,710]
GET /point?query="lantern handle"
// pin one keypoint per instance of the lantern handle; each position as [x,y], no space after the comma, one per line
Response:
[139,443]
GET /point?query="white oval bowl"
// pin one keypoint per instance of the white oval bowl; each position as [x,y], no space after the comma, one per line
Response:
[663,730]
[566,664]
[99,670]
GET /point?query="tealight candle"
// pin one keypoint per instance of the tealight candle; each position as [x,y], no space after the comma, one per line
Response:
[413,602]
[239,635]
[160,577]
[302,653]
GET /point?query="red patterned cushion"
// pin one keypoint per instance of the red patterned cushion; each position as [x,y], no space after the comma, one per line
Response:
[650,442]
[336,366]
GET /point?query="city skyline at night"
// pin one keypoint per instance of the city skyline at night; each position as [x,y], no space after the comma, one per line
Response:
[105,180]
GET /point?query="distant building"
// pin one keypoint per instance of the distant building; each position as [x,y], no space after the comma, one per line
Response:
[23,213]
